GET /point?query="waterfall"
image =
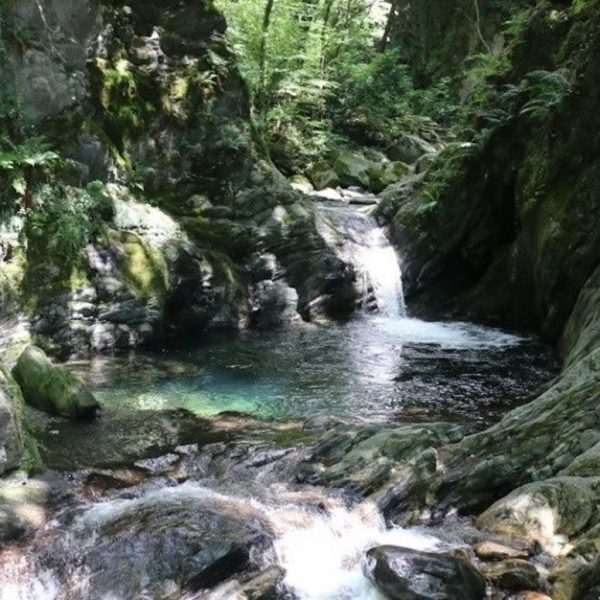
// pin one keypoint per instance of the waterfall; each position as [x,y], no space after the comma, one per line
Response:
[358,240]
[381,270]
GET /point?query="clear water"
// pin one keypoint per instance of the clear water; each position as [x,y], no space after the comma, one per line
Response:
[372,368]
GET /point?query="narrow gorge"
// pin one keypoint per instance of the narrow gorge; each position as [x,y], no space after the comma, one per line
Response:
[299,300]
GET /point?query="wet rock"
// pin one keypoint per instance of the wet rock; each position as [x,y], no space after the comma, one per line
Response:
[52,389]
[263,585]
[258,587]
[119,439]
[365,459]
[186,535]
[404,574]
[512,574]
[543,510]
[22,506]
[273,303]
[236,560]
[100,481]
[493,551]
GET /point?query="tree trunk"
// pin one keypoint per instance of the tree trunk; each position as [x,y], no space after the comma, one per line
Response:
[262,68]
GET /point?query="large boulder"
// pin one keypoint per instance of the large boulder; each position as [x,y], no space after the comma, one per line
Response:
[352,168]
[363,460]
[409,149]
[52,389]
[513,574]
[370,171]
[405,574]
[186,538]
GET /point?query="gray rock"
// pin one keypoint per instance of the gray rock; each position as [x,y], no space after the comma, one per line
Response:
[405,574]
[512,574]
[274,302]
[409,148]
[543,510]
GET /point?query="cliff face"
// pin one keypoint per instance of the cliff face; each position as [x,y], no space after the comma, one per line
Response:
[505,227]
[158,212]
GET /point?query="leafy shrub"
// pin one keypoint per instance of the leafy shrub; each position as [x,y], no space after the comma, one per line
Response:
[20,165]
[66,219]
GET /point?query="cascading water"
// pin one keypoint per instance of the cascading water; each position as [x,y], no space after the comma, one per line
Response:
[381,270]
[362,243]
[317,539]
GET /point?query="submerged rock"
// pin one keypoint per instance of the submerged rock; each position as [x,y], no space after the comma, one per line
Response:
[52,389]
[405,574]
[119,439]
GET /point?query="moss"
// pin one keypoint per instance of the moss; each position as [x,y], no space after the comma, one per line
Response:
[125,96]
[32,460]
[52,389]
[144,268]
[220,235]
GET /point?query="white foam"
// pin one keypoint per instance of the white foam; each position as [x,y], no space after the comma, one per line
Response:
[451,335]
[382,268]
[323,556]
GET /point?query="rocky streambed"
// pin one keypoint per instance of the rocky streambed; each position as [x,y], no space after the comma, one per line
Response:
[268,466]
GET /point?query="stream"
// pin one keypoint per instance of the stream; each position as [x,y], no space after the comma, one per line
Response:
[139,501]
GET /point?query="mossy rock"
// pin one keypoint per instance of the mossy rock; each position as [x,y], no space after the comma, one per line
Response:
[12,447]
[324,178]
[352,168]
[52,389]
[382,175]
[144,267]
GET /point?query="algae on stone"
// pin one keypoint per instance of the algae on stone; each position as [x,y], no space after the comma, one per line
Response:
[52,389]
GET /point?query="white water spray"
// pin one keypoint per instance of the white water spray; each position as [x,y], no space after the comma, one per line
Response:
[323,553]
[318,539]
[381,269]
[358,240]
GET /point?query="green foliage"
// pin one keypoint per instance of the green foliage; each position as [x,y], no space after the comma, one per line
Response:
[20,166]
[305,46]
[445,170]
[545,91]
[124,98]
[66,218]
[377,92]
